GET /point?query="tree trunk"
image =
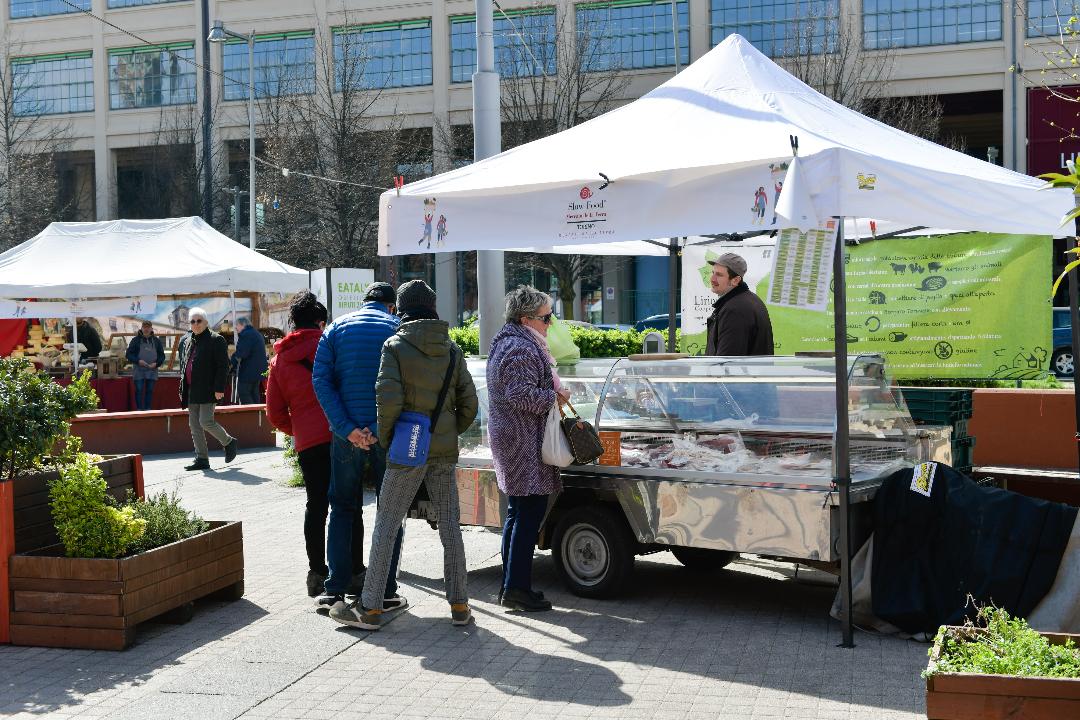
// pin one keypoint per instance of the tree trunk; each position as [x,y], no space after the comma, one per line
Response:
[566,294]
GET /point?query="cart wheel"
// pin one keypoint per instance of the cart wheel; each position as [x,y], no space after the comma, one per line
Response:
[593,551]
[702,559]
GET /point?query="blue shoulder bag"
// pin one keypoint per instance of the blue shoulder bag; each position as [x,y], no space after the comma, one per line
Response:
[411,440]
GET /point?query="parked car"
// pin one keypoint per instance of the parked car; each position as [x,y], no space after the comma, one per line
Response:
[1061,360]
[615,326]
[657,322]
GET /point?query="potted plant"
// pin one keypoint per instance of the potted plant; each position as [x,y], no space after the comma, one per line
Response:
[1002,668]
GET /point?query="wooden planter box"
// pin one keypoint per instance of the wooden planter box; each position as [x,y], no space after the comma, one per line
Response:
[972,696]
[96,603]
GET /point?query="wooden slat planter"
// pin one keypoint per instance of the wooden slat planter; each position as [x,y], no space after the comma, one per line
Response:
[972,696]
[97,603]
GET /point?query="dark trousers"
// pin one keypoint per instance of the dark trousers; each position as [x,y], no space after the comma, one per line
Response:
[346,527]
[524,513]
[315,467]
[248,393]
[144,393]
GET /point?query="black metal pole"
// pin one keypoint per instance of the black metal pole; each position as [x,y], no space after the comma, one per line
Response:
[841,464]
[1074,316]
[673,287]
[207,155]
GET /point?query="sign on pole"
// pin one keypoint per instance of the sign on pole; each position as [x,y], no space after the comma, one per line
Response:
[341,290]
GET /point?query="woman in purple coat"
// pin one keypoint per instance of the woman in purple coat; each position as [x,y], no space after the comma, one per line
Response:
[522,388]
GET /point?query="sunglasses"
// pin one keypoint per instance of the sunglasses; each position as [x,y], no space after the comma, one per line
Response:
[197,321]
[546,319]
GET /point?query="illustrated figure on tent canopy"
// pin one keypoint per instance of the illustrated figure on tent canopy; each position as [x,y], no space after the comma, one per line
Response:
[429,215]
[761,200]
[441,232]
[776,198]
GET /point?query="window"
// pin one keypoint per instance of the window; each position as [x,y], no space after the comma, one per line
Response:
[1049,17]
[383,55]
[284,65]
[512,59]
[152,76]
[38,8]
[910,23]
[53,84]
[135,3]
[634,34]
[778,27]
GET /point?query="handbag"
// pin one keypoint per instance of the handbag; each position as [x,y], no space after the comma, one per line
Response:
[556,448]
[411,440]
[582,436]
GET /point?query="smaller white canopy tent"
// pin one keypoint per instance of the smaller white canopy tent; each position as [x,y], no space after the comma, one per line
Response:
[707,152]
[124,258]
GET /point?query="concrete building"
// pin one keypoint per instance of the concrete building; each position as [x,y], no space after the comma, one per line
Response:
[108,75]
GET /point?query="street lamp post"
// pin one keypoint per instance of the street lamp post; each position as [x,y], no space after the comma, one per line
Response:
[219,34]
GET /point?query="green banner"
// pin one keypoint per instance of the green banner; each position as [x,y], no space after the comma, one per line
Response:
[973,305]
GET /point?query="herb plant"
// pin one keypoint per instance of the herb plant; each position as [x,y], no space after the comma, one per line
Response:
[166,521]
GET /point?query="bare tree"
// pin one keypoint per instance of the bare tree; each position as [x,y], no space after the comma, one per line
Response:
[30,144]
[323,207]
[1054,39]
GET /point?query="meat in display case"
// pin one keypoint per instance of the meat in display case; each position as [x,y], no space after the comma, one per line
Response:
[707,457]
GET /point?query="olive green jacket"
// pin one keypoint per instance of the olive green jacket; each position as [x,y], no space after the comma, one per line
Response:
[414,362]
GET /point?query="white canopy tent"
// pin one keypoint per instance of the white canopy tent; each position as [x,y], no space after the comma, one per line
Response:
[711,151]
[119,258]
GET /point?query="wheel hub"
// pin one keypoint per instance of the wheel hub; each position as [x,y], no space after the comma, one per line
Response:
[586,554]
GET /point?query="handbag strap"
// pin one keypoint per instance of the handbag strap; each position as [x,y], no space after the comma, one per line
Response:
[572,409]
[445,387]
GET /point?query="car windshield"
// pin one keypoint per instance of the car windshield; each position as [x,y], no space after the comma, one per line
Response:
[1061,318]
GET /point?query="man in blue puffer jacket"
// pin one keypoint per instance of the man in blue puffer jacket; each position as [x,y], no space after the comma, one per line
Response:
[346,367]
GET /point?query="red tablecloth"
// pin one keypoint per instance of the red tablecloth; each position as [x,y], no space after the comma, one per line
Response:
[118,394]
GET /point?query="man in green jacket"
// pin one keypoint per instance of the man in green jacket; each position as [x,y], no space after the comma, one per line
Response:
[415,364]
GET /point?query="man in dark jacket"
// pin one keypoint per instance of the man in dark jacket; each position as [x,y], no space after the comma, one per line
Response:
[248,362]
[739,324]
[204,365]
[346,366]
[146,354]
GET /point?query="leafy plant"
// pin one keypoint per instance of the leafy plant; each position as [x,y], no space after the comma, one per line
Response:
[1003,645]
[592,342]
[34,414]
[292,459]
[87,520]
[166,521]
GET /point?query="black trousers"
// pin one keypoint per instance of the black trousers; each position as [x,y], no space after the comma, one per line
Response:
[315,467]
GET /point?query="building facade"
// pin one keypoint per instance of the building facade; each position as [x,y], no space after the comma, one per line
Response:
[108,78]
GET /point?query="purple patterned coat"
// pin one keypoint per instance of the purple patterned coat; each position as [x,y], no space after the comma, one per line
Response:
[520,394]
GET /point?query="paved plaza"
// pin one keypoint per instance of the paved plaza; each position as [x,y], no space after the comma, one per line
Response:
[753,641]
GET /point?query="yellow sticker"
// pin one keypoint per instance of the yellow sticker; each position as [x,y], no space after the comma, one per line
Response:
[922,478]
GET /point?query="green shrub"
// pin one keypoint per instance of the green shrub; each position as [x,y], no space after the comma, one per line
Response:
[592,342]
[34,414]
[1005,646]
[292,459]
[166,521]
[467,338]
[87,520]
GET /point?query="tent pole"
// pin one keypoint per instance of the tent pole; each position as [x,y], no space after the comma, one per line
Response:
[487,141]
[74,346]
[673,282]
[841,464]
[1074,317]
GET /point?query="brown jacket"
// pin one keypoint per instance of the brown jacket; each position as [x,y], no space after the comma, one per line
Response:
[739,325]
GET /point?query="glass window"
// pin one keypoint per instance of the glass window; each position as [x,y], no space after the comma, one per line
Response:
[779,27]
[284,65]
[134,3]
[1048,17]
[635,34]
[383,55]
[512,59]
[52,84]
[909,23]
[148,76]
[38,8]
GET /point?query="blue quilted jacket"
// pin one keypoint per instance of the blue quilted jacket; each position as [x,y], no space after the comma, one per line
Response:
[347,365]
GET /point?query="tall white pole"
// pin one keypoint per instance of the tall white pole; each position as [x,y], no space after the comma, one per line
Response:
[251,140]
[487,141]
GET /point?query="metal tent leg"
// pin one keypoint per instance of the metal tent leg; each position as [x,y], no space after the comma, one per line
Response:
[841,464]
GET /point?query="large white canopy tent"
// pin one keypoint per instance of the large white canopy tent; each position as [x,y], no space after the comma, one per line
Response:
[124,258]
[695,157]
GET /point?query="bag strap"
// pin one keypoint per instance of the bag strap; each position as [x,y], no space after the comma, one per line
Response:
[572,409]
[445,387]
[305,363]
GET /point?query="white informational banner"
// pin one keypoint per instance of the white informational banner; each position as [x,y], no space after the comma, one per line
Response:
[15,309]
[802,267]
[697,294]
[341,290]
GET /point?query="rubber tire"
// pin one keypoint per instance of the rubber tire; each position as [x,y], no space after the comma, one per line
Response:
[1060,355]
[703,559]
[590,524]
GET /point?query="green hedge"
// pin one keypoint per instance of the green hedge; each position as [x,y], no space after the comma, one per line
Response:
[592,343]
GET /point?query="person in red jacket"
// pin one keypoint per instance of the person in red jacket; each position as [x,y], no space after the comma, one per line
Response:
[293,409]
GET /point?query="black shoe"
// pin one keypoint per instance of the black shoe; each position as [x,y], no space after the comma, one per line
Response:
[327,602]
[518,599]
[356,585]
[230,451]
[315,583]
[199,464]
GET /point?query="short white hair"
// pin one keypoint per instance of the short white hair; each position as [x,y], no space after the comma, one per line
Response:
[198,312]
[524,300]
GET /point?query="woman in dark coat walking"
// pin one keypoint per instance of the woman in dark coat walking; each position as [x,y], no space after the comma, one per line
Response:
[522,388]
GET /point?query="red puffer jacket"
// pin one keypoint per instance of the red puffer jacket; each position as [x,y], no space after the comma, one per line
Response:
[291,404]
